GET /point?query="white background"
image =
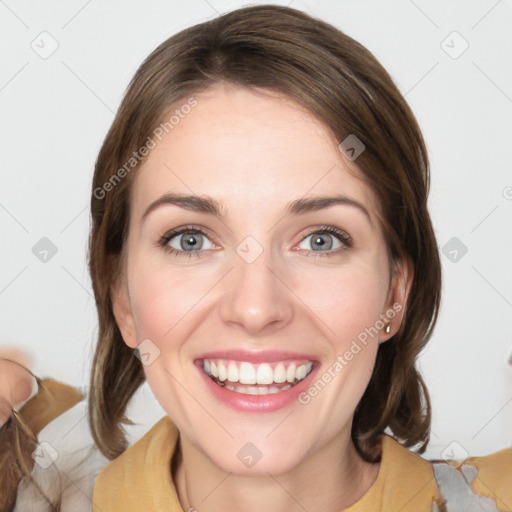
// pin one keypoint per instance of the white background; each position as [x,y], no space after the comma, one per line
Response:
[56,111]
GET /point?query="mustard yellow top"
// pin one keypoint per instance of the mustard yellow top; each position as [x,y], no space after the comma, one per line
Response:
[140,480]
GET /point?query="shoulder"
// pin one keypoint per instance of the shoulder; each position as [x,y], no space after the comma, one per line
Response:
[481,483]
[405,481]
[139,478]
[409,482]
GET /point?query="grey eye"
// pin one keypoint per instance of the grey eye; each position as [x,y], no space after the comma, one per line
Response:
[189,241]
[321,241]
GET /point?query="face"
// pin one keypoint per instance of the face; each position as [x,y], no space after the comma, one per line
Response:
[258,289]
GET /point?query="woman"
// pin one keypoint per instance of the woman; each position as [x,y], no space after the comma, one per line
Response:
[262,254]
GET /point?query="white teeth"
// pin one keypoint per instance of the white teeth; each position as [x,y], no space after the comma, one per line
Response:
[301,372]
[253,390]
[222,371]
[290,374]
[247,373]
[262,374]
[232,372]
[279,373]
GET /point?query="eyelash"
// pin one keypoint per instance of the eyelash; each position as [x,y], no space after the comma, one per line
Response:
[343,237]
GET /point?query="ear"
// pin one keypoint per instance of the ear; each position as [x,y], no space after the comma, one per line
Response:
[122,312]
[397,296]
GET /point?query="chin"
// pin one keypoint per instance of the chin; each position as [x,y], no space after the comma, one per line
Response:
[254,461]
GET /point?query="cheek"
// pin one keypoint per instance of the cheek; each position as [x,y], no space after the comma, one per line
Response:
[347,300]
[162,298]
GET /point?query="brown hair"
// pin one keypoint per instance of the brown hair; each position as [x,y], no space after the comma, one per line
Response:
[342,83]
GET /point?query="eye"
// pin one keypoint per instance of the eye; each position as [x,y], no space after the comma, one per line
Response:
[186,241]
[189,240]
[332,239]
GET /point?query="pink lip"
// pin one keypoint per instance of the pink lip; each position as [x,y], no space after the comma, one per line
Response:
[256,357]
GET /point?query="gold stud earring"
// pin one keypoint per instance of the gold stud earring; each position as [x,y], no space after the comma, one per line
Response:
[387,329]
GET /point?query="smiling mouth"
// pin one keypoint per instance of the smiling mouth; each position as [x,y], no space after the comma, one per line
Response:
[256,379]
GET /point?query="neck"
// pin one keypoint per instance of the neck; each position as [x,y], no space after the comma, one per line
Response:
[322,482]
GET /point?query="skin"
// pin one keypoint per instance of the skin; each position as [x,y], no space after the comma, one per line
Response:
[16,383]
[256,152]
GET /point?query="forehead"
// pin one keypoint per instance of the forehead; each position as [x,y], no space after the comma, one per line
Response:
[250,150]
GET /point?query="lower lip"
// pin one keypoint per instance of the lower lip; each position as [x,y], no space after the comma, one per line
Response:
[256,403]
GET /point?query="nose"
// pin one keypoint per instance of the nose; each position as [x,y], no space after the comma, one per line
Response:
[257,297]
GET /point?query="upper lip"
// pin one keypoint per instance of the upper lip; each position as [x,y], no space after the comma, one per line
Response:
[256,357]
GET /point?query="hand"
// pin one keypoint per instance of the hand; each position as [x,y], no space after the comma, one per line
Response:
[16,383]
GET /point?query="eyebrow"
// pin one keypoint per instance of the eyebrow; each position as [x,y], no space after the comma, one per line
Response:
[208,205]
